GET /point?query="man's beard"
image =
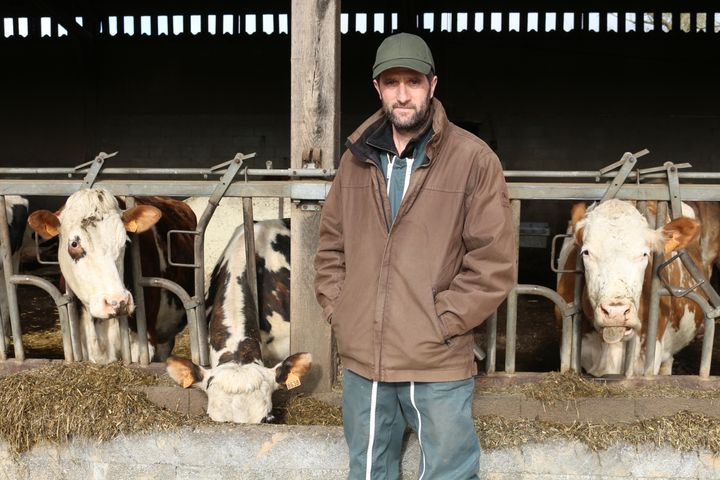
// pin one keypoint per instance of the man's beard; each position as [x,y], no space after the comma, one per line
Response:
[412,124]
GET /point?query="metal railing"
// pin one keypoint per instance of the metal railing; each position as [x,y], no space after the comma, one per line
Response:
[312,185]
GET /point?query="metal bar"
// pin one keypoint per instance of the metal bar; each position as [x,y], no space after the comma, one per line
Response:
[512,299]
[250,266]
[491,345]
[219,190]
[674,188]
[576,354]
[654,303]
[306,190]
[95,167]
[74,325]
[300,190]
[628,162]
[631,352]
[567,311]
[61,302]
[321,173]
[710,315]
[328,173]
[139,295]
[11,289]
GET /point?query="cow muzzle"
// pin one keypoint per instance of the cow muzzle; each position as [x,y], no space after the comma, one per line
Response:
[616,321]
[114,305]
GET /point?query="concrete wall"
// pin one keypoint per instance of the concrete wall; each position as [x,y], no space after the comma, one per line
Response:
[303,453]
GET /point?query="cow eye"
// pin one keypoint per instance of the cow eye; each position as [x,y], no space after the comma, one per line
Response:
[75,250]
[586,252]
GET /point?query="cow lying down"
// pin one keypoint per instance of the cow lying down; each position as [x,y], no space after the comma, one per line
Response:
[238,384]
[617,244]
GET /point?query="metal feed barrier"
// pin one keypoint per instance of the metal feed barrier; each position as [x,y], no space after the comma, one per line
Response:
[305,187]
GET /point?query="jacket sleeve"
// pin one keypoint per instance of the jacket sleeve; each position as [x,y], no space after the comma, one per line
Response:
[330,256]
[488,269]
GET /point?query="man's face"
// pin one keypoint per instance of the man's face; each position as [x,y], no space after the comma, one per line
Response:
[405,95]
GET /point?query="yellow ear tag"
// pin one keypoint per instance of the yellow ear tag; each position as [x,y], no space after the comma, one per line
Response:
[671,245]
[293,381]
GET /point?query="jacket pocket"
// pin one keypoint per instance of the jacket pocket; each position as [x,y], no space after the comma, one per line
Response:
[440,322]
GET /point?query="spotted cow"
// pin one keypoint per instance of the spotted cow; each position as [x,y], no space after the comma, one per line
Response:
[92,228]
[16,209]
[617,244]
[239,384]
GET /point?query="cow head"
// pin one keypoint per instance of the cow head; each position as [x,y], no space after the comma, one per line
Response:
[616,244]
[240,393]
[92,234]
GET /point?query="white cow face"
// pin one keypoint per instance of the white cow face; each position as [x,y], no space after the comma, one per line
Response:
[616,244]
[92,237]
[236,392]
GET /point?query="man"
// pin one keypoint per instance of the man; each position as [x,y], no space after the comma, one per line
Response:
[416,249]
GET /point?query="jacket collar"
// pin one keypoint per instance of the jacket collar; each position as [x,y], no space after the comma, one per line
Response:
[371,129]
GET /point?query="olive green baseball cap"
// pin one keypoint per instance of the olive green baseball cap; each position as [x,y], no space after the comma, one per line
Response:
[403,50]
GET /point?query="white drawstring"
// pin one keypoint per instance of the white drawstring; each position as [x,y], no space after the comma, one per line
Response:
[408,173]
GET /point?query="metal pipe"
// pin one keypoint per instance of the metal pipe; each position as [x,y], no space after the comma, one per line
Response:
[491,346]
[250,266]
[567,312]
[576,355]
[324,173]
[511,325]
[74,324]
[139,294]
[250,172]
[654,302]
[11,290]
[61,302]
[317,190]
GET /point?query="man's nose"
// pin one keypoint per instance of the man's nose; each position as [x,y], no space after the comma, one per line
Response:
[402,94]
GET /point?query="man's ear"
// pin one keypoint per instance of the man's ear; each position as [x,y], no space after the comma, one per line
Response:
[45,223]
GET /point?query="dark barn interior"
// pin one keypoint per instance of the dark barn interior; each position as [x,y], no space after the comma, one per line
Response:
[560,85]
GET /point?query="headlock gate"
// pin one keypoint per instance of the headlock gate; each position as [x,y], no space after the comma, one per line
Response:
[307,188]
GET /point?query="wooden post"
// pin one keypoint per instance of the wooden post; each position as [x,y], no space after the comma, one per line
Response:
[314,127]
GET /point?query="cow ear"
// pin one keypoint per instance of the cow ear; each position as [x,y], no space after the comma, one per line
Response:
[293,369]
[679,233]
[184,372]
[45,223]
[576,214]
[141,218]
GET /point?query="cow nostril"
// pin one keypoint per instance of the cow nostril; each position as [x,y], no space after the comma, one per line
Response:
[604,311]
[627,312]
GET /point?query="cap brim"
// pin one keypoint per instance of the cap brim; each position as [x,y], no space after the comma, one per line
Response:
[411,63]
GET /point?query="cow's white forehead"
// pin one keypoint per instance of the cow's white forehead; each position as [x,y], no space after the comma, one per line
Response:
[88,203]
[616,224]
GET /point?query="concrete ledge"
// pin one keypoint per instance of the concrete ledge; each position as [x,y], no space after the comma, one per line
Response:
[282,452]
[595,410]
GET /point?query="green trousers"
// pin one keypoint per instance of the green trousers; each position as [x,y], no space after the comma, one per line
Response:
[375,415]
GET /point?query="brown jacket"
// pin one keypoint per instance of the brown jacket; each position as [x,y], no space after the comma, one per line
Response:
[403,298]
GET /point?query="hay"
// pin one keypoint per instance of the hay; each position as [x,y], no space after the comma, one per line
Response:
[683,431]
[306,410]
[558,387]
[56,403]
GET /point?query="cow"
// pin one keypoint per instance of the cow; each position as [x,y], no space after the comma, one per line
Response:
[92,228]
[16,209]
[616,245]
[238,383]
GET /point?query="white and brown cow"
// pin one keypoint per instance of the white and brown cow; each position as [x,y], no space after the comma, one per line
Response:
[239,384]
[16,209]
[92,227]
[617,245]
